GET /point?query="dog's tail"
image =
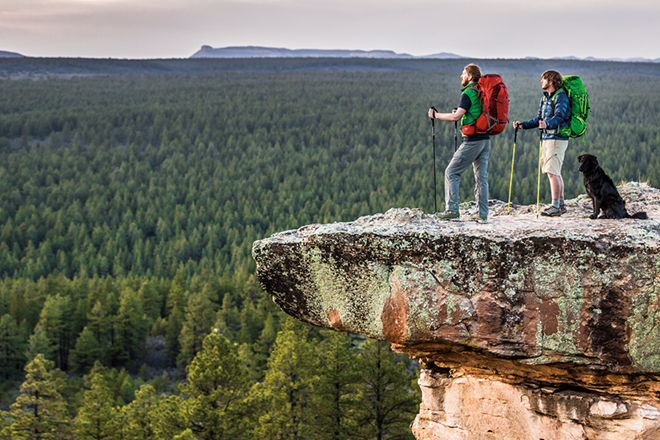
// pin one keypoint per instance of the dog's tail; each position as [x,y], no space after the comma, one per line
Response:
[639,215]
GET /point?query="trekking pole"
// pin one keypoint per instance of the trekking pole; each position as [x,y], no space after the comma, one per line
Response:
[513,159]
[538,188]
[455,132]
[435,195]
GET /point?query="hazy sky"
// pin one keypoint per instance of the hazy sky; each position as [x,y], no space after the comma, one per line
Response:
[481,28]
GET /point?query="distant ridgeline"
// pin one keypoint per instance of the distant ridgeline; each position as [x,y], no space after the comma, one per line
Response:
[276,52]
[273,52]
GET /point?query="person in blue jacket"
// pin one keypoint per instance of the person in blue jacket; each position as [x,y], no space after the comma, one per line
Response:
[553,119]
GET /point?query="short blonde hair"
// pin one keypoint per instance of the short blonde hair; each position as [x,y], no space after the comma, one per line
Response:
[473,71]
[554,77]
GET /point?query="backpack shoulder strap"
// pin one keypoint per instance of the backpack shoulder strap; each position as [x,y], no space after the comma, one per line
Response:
[559,90]
[554,97]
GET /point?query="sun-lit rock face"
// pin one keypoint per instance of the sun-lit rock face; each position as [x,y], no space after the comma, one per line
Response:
[528,327]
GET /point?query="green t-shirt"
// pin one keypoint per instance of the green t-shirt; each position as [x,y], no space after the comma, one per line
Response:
[474,110]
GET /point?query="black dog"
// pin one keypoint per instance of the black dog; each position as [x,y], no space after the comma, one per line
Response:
[602,191]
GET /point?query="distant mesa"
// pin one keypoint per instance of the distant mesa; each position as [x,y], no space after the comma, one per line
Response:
[271,52]
[5,54]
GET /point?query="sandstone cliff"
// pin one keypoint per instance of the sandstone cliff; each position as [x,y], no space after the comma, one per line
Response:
[527,328]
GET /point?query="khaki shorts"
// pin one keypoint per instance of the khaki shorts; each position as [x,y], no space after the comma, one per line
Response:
[552,155]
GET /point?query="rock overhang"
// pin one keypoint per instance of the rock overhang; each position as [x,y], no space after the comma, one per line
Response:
[534,289]
[527,327]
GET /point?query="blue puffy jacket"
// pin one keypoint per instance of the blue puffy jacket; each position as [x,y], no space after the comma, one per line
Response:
[557,115]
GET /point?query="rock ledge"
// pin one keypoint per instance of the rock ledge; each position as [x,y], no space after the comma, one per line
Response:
[527,327]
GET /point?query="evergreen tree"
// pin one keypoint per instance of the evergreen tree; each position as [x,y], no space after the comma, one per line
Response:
[12,348]
[283,399]
[86,352]
[141,414]
[176,316]
[100,324]
[127,389]
[54,321]
[97,416]
[130,329]
[387,403]
[40,343]
[151,300]
[216,390]
[118,381]
[264,344]
[228,320]
[39,411]
[197,325]
[334,400]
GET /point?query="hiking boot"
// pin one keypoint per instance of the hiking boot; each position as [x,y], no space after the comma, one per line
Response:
[552,212]
[447,215]
[478,218]
[563,209]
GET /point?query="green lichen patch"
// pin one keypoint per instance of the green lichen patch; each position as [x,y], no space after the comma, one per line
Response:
[559,282]
[357,293]
[515,281]
[644,346]
[419,288]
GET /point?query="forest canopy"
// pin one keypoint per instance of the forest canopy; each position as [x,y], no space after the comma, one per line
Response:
[139,175]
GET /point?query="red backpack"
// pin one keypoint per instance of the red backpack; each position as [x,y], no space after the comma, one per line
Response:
[494,99]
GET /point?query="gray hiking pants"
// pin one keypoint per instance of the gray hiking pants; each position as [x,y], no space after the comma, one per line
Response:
[475,152]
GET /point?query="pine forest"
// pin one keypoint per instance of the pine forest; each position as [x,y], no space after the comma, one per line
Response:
[131,194]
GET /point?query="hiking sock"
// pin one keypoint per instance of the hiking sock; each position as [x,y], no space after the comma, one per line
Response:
[561,201]
[555,203]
